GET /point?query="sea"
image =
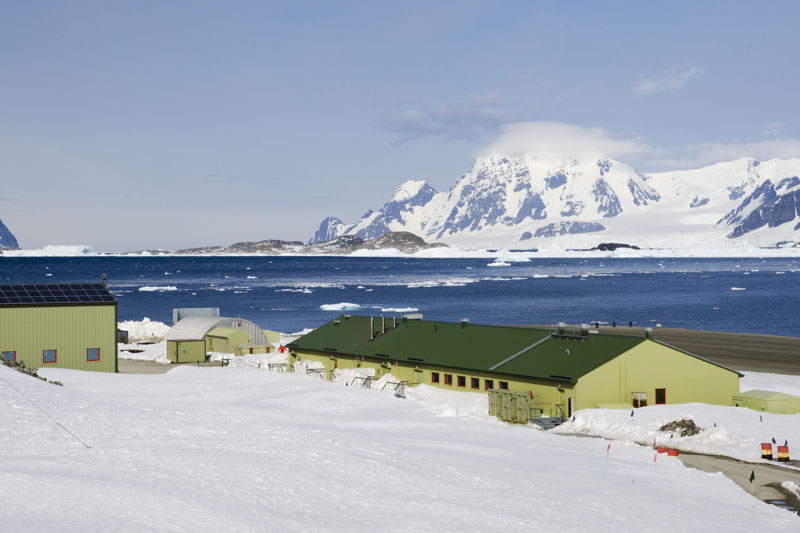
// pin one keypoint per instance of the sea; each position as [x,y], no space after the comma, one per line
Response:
[290,294]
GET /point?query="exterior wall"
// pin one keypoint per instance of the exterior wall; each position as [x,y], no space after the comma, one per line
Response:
[186,351]
[783,407]
[649,366]
[227,343]
[546,395]
[70,330]
[253,348]
[272,336]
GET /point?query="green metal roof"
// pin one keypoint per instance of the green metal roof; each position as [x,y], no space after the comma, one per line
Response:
[506,350]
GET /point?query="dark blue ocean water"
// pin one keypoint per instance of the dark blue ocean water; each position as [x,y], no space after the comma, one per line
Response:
[285,293]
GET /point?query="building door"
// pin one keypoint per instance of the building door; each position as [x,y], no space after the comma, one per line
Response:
[570,406]
[661,396]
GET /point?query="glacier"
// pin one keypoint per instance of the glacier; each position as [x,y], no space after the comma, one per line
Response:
[559,203]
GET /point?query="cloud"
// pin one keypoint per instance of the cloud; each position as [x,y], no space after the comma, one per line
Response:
[772,129]
[671,80]
[467,118]
[557,139]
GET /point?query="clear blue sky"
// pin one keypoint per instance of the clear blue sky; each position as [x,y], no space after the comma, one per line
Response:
[144,124]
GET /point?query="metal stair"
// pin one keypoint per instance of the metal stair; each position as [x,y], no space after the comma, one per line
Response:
[548,423]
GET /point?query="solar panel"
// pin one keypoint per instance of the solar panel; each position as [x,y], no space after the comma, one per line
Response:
[61,293]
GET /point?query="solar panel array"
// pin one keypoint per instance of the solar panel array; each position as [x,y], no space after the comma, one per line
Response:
[54,293]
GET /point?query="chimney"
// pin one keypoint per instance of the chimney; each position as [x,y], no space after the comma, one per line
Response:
[371,328]
[105,281]
[383,325]
[394,325]
[464,322]
[648,333]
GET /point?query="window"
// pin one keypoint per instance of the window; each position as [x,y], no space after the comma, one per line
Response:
[661,396]
[462,381]
[475,383]
[93,354]
[434,377]
[488,384]
[10,356]
[448,379]
[504,385]
[50,356]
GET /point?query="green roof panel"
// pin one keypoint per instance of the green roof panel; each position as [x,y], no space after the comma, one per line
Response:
[507,350]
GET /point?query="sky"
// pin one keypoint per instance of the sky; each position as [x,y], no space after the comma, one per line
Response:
[130,125]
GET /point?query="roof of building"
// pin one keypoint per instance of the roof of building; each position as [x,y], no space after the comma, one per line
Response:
[507,350]
[221,331]
[195,328]
[55,294]
[766,395]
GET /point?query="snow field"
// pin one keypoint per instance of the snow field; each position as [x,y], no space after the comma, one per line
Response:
[230,448]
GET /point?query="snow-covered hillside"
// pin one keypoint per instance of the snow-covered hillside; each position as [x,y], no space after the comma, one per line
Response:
[210,449]
[577,203]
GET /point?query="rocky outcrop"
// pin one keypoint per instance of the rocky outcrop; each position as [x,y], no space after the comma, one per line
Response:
[344,244]
[567,228]
[7,239]
[768,205]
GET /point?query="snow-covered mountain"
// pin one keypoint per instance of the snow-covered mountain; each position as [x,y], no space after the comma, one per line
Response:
[569,203]
[7,239]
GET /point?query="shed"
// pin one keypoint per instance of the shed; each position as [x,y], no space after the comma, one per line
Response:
[768,401]
[226,340]
[186,340]
[61,325]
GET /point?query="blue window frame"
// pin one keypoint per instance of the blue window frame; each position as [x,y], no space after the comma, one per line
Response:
[50,356]
[10,356]
[93,354]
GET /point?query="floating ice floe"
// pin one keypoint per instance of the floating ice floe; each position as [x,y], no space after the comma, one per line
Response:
[252,277]
[738,288]
[156,288]
[399,309]
[341,306]
[498,263]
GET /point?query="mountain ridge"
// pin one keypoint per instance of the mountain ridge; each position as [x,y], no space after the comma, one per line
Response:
[558,201]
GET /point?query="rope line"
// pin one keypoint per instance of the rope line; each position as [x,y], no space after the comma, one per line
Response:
[46,413]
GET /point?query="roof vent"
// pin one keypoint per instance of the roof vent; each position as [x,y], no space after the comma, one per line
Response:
[584,330]
[464,322]
[336,322]
[346,317]
[648,333]
[562,328]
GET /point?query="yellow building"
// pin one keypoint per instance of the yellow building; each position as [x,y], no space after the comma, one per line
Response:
[560,370]
[59,325]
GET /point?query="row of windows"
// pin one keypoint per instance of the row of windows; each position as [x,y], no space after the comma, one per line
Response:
[51,356]
[474,383]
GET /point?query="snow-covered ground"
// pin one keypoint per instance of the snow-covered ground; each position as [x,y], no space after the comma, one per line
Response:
[245,449]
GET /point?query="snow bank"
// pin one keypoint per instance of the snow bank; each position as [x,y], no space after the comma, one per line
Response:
[734,432]
[342,306]
[154,288]
[143,329]
[303,367]
[344,376]
[216,449]
[773,382]
[144,352]
[452,403]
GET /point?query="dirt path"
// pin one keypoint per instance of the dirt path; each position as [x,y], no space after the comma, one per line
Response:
[768,478]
